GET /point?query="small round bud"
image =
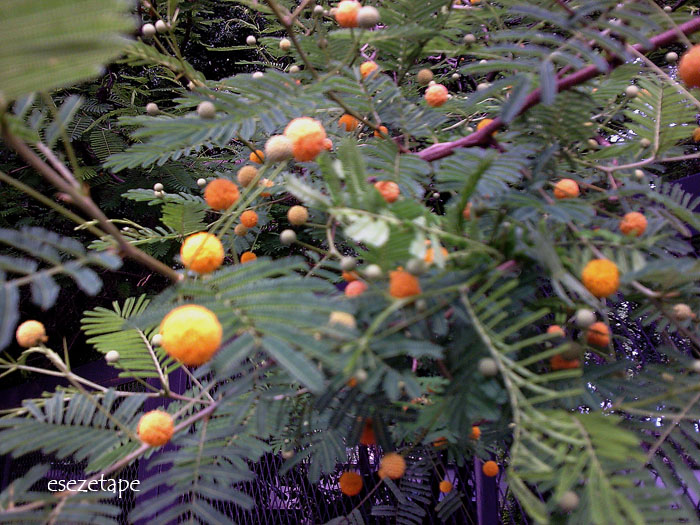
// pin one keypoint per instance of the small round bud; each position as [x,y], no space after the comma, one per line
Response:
[278,148]
[361,375]
[157,194]
[695,366]
[584,318]
[593,143]
[639,174]
[285,44]
[671,57]
[201,182]
[251,40]
[206,110]
[469,38]
[294,69]
[488,367]
[573,351]
[318,10]
[288,237]
[190,85]
[373,272]
[148,30]
[483,61]
[367,17]
[161,27]
[645,143]
[157,187]
[421,305]
[156,340]
[416,266]
[287,454]
[632,91]
[483,86]
[152,109]
[258,74]
[668,8]
[348,264]
[424,77]
[568,501]
[455,76]
[322,43]
[112,356]
[240,230]
[682,312]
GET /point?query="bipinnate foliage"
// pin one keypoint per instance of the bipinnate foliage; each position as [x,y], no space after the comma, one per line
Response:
[505,260]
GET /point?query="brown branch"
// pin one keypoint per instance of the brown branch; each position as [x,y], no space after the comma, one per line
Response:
[86,204]
[483,136]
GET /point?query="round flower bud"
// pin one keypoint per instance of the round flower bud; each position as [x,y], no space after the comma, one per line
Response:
[297,215]
[568,501]
[424,77]
[483,86]
[455,76]
[152,109]
[157,187]
[318,10]
[367,17]
[361,375]
[294,69]
[416,267]
[347,264]
[251,40]
[573,351]
[157,194]
[288,237]
[161,26]
[343,319]
[469,38]
[645,143]
[682,312]
[240,230]
[206,110]
[258,74]
[246,175]
[487,367]
[31,333]
[668,8]
[695,366]
[201,182]
[583,318]
[373,272]
[148,30]
[112,356]
[285,44]
[190,85]
[278,148]
[156,340]
[671,57]
[639,174]
[632,91]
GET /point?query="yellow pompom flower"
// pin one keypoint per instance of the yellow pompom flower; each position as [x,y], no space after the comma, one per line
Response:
[191,334]
[202,252]
[155,428]
[601,277]
[31,333]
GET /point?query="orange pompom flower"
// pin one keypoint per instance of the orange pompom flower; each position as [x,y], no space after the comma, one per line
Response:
[601,277]
[388,189]
[350,276]
[490,469]
[367,437]
[556,329]
[202,252]
[558,362]
[367,68]
[327,144]
[355,288]
[476,432]
[247,257]
[633,223]
[30,333]
[249,218]
[346,13]
[257,156]
[467,211]
[485,122]
[566,189]
[221,194]
[348,122]
[155,428]
[436,95]
[382,130]
[191,334]
[266,183]
[393,465]
[246,175]
[429,256]
[598,334]
[350,483]
[689,67]
[297,215]
[696,135]
[307,136]
[440,442]
[403,284]
[445,486]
